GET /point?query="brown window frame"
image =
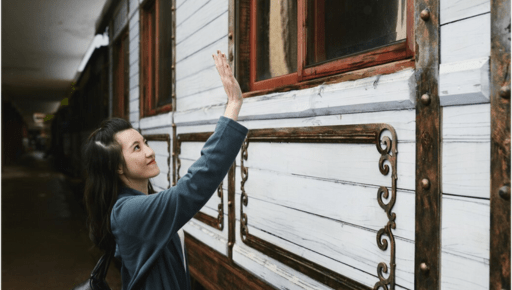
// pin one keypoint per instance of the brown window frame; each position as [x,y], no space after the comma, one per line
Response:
[395,56]
[150,61]
[121,68]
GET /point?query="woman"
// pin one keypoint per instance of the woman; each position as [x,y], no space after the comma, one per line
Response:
[143,228]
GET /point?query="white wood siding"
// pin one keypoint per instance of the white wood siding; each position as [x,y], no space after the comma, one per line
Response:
[134,64]
[328,191]
[464,80]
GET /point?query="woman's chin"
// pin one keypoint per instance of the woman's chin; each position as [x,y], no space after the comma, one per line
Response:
[157,172]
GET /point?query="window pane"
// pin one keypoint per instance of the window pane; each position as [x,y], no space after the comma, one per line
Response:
[337,28]
[164,53]
[276,38]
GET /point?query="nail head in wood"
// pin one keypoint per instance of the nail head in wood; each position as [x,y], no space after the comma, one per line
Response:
[505,92]
[504,192]
[425,183]
[230,203]
[425,99]
[424,267]
[230,35]
[425,14]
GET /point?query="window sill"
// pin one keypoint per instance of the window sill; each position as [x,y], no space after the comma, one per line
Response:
[384,69]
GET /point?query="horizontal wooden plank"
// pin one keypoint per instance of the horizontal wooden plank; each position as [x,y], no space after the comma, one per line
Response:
[133,6]
[134,106]
[202,16]
[272,271]
[466,227]
[191,150]
[464,82]
[134,94]
[349,250]
[208,235]
[135,124]
[188,9]
[205,99]
[160,180]
[201,82]
[134,32]
[133,44]
[159,130]
[134,81]
[466,39]
[467,123]
[200,61]
[134,70]
[349,163]
[453,10]
[162,120]
[212,32]
[160,147]
[347,203]
[134,118]
[379,93]
[458,272]
[466,169]
[134,59]
[195,129]
[161,161]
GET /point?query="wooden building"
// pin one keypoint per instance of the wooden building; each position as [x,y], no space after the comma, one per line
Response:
[378,155]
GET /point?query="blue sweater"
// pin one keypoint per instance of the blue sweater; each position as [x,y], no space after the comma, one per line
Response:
[145,226]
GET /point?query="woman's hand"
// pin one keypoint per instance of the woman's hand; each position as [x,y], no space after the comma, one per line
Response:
[231,86]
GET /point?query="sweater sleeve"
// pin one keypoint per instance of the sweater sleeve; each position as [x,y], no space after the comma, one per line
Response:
[155,218]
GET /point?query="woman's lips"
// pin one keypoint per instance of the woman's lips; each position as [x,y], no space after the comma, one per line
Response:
[152,162]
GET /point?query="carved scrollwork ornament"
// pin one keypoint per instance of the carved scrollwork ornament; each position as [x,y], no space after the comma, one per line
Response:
[220,206]
[386,200]
[244,200]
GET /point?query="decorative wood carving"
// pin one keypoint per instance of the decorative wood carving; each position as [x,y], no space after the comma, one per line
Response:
[217,222]
[360,134]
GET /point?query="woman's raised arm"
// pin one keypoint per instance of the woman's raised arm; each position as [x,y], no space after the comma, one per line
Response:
[231,86]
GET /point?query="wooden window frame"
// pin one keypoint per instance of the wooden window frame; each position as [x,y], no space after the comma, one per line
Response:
[121,77]
[400,54]
[149,70]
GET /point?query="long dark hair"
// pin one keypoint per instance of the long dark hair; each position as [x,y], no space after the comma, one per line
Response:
[102,156]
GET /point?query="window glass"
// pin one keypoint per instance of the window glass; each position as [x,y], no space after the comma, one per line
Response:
[276,39]
[338,28]
[164,53]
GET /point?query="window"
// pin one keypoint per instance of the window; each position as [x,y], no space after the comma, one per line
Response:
[121,77]
[157,62]
[292,41]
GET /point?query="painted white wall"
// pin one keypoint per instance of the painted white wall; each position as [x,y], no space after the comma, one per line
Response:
[319,200]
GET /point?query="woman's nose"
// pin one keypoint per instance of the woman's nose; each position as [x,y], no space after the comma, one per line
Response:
[149,152]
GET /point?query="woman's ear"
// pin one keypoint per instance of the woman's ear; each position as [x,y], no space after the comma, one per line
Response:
[120,170]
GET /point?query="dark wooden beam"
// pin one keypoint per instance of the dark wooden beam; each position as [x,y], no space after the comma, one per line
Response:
[428,152]
[215,271]
[499,262]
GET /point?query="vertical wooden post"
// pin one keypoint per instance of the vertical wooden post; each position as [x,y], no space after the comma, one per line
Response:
[428,153]
[232,53]
[499,262]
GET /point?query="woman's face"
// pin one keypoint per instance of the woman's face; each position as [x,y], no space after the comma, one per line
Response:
[140,163]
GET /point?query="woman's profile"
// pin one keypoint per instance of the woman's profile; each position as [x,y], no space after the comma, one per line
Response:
[142,226]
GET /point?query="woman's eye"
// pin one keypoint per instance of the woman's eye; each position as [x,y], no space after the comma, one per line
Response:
[136,147]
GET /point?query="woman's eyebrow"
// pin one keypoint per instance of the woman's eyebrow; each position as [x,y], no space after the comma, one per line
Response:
[136,142]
